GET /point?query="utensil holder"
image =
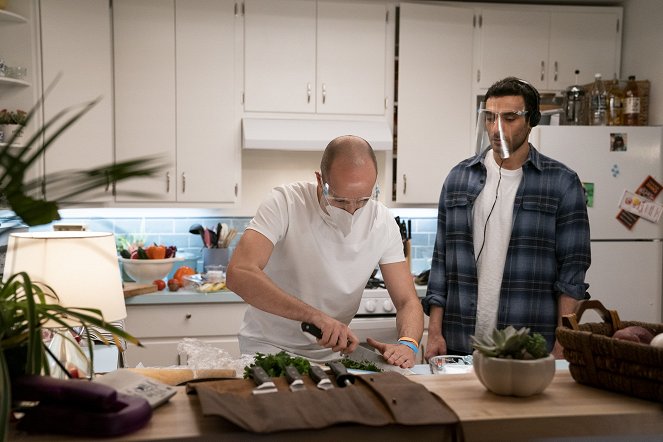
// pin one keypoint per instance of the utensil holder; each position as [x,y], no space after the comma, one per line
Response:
[215,256]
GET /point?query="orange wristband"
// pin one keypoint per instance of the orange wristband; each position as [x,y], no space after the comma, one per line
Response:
[405,338]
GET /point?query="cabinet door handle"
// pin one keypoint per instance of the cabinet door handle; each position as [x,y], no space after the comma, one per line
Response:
[404,184]
[324,93]
[308,92]
[188,316]
[183,182]
[167,182]
[555,66]
[543,68]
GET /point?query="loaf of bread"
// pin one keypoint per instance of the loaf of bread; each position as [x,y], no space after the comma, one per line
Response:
[180,376]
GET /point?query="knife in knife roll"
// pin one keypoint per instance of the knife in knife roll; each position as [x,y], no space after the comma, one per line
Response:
[263,381]
[294,379]
[320,378]
[343,378]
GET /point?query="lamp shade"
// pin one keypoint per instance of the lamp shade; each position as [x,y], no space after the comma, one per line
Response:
[81,267]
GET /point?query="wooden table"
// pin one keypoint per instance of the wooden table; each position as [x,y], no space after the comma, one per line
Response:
[564,409]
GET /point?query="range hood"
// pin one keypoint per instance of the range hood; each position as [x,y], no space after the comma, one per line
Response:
[310,135]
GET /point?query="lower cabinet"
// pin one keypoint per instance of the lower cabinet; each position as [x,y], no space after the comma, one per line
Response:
[160,328]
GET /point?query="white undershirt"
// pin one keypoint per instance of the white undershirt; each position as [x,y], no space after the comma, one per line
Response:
[490,267]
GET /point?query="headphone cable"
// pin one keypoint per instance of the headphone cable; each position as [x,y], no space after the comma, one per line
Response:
[485,227]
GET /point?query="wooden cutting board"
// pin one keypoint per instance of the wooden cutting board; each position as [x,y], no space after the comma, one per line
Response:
[134,288]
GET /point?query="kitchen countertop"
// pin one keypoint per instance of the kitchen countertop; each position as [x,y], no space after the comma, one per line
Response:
[565,409]
[193,297]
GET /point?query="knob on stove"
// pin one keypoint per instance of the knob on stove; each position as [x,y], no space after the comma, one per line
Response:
[370,305]
[387,306]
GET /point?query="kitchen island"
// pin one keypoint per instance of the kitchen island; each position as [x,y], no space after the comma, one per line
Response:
[565,409]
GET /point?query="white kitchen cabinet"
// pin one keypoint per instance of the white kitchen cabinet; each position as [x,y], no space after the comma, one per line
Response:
[161,327]
[546,44]
[208,128]
[175,70]
[325,57]
[434,109]
[145,113]
[70,30]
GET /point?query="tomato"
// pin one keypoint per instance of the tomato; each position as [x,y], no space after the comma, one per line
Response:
[160,283]
[173,285]
[181,272]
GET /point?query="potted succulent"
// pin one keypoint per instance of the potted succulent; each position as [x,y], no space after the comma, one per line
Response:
[25,305]
[512,362]
[11,126]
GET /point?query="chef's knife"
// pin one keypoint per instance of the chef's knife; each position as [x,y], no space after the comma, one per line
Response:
[361,354]
[320,378]
[263,381]
[294,379]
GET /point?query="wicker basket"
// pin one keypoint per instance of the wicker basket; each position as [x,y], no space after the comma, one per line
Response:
[596,359]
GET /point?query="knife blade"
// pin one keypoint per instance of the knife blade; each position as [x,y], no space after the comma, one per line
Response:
[361,354]
[263,381]
[320,378]
[294,379]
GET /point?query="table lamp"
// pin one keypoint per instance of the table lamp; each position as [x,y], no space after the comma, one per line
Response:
[80,267]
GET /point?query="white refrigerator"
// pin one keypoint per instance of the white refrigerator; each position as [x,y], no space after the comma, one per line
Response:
[627,264]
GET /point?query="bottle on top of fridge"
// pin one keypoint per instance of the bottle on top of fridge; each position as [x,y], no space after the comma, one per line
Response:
[631,103]
[615,104]
[597,103]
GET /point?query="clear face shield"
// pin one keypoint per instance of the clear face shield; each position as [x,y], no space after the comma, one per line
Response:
[497,129]
[345,212]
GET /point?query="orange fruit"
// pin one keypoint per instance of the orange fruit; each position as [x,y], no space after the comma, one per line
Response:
[181,272]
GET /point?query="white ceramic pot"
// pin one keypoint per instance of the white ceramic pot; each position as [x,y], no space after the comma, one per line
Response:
[513,377]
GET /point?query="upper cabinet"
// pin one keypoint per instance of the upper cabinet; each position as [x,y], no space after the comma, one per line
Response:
[545,45]
[325,57]
[434,97]
[70,28]
[175,97]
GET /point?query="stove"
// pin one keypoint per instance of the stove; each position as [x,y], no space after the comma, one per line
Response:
[376,302]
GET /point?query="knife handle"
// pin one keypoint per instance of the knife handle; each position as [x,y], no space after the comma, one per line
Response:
[259,375]
[343,378]
[292,374]
[317,373]
[312,329]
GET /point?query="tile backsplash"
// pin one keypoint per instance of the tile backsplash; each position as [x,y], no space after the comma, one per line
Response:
[175,231]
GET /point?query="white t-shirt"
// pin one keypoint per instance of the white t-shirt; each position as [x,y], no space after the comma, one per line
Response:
[490,267]
[314,262]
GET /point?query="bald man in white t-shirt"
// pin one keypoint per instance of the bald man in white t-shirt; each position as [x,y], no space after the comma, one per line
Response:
[306,257]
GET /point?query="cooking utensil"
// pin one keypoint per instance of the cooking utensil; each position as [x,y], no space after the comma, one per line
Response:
[294,379]
[361,354]
[320,378]
[263,381]
[343,378]
[197,229]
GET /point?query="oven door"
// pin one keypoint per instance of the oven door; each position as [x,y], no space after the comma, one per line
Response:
[380,328]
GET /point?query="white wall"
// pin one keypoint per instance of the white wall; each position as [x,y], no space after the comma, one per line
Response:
[642,50]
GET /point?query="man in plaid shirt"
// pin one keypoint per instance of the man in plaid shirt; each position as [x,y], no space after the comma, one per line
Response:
[512,243]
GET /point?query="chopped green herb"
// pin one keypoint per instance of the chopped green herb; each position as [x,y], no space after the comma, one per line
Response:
[363,365]
[275,364]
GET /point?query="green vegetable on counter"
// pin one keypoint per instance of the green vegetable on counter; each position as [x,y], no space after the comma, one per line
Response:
[275,364]
[364,365]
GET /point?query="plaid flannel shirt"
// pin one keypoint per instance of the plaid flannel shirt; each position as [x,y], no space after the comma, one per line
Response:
[549,250]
